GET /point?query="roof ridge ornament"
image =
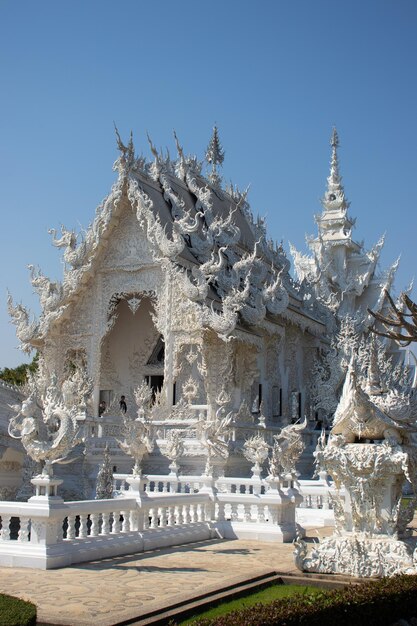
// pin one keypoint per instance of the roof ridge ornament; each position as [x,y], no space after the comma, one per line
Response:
[127,156]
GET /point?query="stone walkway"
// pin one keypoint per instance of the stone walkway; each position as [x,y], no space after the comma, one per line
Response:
[112,590]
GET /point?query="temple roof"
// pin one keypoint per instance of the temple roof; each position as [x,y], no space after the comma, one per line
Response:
[190,221]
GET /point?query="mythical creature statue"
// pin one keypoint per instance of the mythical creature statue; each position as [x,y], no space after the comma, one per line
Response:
[275,296]
[287,449]
[136,440]
[169,248]
[360,417]
[224,231]
[194,287]
[74,254]
[213,434]
[48,427]
[50,293]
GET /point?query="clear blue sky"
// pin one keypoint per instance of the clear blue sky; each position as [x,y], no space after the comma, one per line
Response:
[275,76]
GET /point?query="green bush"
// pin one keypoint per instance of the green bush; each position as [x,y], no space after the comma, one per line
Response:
[16,612]
[18,375]
[375,603]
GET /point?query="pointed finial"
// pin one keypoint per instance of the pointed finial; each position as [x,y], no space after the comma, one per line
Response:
[128,152]
[334,197]
[152,147]
[179,146]
[130,146]
[215,152]
[334,140]
[214,156]
[120,143]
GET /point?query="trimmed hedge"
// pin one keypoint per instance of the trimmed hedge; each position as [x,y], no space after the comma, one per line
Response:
[375,603]
[16,612]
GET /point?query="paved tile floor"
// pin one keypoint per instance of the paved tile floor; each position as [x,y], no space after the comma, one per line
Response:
[104,592]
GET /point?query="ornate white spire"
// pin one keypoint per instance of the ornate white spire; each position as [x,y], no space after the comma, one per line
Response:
[334,197]
[214,156]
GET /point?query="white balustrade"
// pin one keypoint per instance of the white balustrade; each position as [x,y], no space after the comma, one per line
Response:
[156,511]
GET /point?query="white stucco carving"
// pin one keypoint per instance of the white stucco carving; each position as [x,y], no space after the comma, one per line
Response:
[46,422]
[370,453]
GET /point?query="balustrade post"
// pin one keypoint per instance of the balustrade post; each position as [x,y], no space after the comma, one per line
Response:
[234,512]
[5,527]
[145,524]
[220,511]
[208,511]
[115,530]
[162,515]
[70,527]
[261,513]
[186,512]
[134,520]
[171,516]
[94,528]
[247,513]
[24,529]
[82,533]
[105,524]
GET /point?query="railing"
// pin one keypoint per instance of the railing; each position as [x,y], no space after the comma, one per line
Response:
[160,483]
[191,484]
[316,493]
[319,494]
[241,485]
[38,535]
[47,532]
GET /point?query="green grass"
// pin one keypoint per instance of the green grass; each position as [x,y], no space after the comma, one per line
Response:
[16,612]
[275,592]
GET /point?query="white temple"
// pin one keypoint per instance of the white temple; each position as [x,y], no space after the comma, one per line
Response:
[176,285]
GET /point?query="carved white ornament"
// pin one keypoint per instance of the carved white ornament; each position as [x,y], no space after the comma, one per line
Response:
[366,540]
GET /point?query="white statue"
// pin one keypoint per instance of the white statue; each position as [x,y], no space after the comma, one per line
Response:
[287,449]
[137,438]
[213,435]
[104,485]
[174,449]
[255,450]
[370,453]
[50,438]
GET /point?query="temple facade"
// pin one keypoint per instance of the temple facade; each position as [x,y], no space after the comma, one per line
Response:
[177,286]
